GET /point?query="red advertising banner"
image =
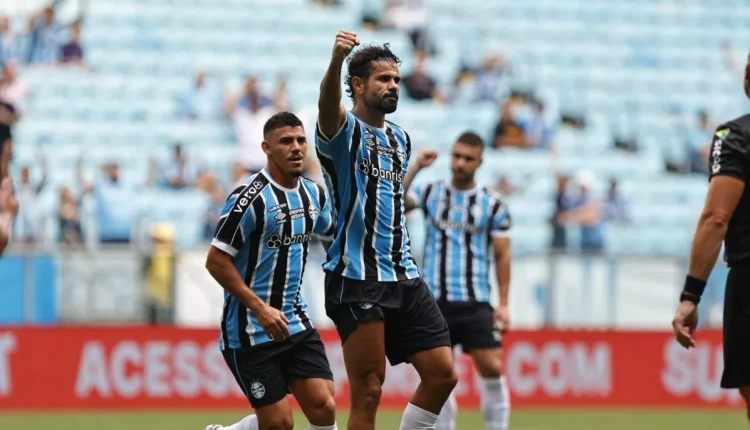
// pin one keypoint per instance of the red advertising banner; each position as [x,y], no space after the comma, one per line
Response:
[163,368]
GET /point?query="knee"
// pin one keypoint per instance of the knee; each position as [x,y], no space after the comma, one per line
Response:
[745,393]
[444,379]
[281,422]
[368,390]
[323,410]
[493,371]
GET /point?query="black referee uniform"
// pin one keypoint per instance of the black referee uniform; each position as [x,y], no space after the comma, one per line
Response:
[730,156]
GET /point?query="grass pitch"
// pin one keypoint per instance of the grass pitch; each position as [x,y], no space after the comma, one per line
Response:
[527,419]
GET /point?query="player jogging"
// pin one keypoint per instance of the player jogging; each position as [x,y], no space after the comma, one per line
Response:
[725,217]
[258,255]
[8,208]
[374,294]
[465,223]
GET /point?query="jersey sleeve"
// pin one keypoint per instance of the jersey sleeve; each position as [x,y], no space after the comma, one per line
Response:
[237,220]
[339,143]
[728,153]
[325,225]
[500,222]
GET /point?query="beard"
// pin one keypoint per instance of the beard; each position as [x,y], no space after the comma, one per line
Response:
[384,106]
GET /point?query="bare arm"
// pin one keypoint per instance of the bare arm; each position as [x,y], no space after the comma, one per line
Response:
[724,194]
[425,158]
[331,114]
[219,265]
[502,267]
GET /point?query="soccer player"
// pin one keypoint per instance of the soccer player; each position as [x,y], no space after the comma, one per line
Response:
[465,223]
[258,255]
[725,217]
[8,209]
[374,293]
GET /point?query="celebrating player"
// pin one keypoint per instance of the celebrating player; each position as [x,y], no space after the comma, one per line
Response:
[374,294]
[464,223]
[725,217]
[258,255]
[8,208]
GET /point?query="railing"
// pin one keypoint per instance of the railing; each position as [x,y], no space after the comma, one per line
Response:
[113,285]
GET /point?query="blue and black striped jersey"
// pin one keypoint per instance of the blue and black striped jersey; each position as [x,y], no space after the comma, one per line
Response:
[364,167]
[460,228]
[267,228]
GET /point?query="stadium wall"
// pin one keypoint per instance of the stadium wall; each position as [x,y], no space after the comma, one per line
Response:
[127,368]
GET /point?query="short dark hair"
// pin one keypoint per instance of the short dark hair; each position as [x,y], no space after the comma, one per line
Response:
[360,64]
[472,139]
[281,119]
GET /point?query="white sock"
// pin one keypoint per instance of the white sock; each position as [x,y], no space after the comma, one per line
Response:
[447,418]
[312,427]
[496,403]
[416,418]
[250,422]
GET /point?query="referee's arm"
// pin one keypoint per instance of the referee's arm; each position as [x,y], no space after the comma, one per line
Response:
[727,184]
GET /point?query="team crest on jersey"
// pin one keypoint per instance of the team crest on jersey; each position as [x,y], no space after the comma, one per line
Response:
[312,210]
[257,390]
[365,305]
[401,154]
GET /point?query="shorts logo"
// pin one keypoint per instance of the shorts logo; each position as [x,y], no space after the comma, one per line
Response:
[365,305]
[496,335]
[257,390]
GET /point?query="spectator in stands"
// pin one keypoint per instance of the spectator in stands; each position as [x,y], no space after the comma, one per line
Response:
[29,221]
[8,43]
[462,90]
[562,205]
[537,128]
[492,79]
[239,174]
[213,213]
[202,101]
[615,206]
[12,90]
[180,172]
[508,133]
[44,46]
[699,143]
[409,16]
[419,85]
[69,214]
[72,52]
[115,203]
[8,119]
[587,212]
[250,111]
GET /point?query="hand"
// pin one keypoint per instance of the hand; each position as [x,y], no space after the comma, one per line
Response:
[684,323]
[426,157]
[274,323]
[345,42]
[502,318]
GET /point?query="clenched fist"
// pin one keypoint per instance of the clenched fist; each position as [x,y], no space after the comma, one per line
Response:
[345,42]
[426,157]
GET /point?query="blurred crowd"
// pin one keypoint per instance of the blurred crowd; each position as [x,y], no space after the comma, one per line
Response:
[523,123]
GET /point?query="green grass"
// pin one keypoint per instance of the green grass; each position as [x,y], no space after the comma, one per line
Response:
[521,420]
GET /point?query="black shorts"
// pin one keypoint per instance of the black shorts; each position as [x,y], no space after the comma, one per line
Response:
[413,322]
[265,371]
[737,329]
[471,325]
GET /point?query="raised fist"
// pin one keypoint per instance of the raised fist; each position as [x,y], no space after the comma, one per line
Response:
[345,42]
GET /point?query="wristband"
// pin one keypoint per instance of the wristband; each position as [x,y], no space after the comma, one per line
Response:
[694,286]
[684,297]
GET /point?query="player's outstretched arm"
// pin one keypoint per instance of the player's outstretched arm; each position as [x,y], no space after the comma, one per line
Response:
[331,114]
[219,265]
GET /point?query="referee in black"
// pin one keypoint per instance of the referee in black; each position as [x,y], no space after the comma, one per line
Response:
[726,216]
